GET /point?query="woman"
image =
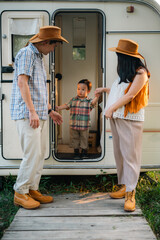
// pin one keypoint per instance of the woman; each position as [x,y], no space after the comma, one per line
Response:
[125,108]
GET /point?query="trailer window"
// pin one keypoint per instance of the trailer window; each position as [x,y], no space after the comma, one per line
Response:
[17,28]
[79,38]
[18,42]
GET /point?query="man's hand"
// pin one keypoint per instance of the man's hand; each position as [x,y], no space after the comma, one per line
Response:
[56,117]
[33,119]
[25,92]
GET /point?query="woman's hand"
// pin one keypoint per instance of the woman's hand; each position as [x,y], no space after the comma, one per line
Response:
[109,113]
[98,91]
[101,90]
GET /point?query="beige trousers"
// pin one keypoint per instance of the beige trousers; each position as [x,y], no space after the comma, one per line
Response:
[79,138]
[127,145]
[33,143]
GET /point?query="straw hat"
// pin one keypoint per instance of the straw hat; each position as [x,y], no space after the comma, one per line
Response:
[127,47]
[48,33]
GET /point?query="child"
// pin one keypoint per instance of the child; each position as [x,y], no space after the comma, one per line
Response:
[80,107]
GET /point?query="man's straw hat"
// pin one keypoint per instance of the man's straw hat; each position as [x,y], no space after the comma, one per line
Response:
[48,33]
[127,47]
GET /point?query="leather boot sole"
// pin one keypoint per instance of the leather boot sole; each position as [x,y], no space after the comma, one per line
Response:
[37,196]
[42,201]
[26,207]
[119,194]
[129,210]
[116,196]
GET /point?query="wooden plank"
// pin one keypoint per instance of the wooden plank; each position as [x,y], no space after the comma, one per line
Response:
[82,196]
[87,201]
[79,235]
[97,204]
[78,223]
[80,216]
[51,212]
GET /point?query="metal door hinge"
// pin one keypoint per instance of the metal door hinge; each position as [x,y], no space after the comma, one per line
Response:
[52,146]
[52,95]
[52,67]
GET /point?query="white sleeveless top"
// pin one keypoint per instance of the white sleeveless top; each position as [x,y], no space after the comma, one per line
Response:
[116,92]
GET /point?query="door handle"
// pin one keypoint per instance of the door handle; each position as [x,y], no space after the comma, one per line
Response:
[2,97]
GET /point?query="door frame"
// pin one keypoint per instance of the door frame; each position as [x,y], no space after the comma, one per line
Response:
[103,69]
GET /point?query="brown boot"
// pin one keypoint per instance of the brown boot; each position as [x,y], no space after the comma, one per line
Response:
[119,194]
[25,201]
[39,197]
[130,203]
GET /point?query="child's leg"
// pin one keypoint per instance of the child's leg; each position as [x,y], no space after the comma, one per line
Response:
[84,134]
[75,142]
[84,143]
[75,138]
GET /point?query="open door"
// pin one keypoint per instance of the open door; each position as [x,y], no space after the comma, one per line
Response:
[82,58]
[16,28]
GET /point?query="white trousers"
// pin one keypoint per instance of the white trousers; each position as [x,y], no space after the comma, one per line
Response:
[127,145]
[33,143]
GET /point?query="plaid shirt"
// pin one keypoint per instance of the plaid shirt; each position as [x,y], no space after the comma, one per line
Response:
[29,62]
[80,113]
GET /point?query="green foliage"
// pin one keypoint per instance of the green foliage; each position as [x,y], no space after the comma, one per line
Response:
[154,175]
[148,197]
[7,209]
[8,182]
[73,184]
[107,181]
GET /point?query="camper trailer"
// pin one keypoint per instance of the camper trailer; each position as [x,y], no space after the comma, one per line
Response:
[91,27]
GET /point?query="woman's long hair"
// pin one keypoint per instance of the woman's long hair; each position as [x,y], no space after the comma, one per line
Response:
[127,67]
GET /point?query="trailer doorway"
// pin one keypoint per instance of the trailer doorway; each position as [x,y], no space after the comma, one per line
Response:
[82,58]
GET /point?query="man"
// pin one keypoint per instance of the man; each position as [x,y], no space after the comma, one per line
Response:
[30,109]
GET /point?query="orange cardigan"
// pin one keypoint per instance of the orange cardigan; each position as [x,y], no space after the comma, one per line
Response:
[140,100]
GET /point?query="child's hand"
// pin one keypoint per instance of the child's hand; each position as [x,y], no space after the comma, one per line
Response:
[97,95]
[56,108]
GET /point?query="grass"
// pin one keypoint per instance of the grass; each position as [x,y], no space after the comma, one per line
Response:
[148,198]
[147,194]
[7,209]
[73,184]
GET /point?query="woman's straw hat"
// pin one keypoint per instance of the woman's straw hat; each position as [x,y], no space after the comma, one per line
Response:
[48,33]
[127,47]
